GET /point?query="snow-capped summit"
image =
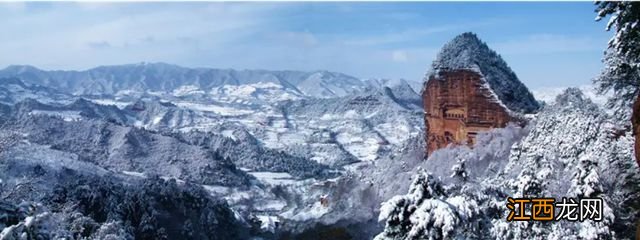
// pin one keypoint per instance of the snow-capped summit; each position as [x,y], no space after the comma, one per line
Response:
[466,51]
[470,85]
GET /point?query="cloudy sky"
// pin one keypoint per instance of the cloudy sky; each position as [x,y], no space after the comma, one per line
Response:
[546,44]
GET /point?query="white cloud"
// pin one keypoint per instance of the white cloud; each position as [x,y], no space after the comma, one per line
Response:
[78,36]
[305,39]
[416,33]
[397,37]
[13,6]
[399,56]
[548,43]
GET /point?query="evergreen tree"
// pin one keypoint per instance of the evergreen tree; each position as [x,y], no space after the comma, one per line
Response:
[622,57]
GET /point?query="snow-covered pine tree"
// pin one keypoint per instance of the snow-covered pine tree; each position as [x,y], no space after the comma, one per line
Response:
[586,184]
[566,151]
[621,73]
[428,211]
[459,171]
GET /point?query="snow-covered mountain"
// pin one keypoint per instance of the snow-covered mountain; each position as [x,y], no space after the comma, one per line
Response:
[13,90]
[48,193]
[572,148]
[278,154]
[266,142]
[168,97]
[167,78]
[467,51]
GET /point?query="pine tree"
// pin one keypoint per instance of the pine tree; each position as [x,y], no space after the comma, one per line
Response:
[428,211]
[622,57]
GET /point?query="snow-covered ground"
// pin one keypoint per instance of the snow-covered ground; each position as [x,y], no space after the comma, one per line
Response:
[363,136]
[109,101]
[221,110]
[274,178]
[66,115]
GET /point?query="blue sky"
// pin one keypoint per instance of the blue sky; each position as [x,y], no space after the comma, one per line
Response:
[546,44]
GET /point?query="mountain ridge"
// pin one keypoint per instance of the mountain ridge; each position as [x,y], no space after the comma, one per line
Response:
[168,77]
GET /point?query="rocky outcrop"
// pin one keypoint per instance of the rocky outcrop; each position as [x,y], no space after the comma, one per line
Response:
[458,105]
[470,89]
[635,121]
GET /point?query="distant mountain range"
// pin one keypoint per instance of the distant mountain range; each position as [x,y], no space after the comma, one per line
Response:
[162,77]
[340,118]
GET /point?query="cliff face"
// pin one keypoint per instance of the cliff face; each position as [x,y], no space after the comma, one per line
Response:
[458,105]
[635,121]
[470,89]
